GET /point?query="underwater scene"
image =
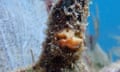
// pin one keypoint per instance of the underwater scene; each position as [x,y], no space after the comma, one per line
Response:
[59,36]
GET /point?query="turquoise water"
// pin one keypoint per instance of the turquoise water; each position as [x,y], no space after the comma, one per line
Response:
[109,23]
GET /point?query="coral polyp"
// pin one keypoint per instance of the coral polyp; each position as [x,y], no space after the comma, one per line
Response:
[70,38]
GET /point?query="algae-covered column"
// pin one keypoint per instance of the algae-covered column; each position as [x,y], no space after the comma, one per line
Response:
[65,37]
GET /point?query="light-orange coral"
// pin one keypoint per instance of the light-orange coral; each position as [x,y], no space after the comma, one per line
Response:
[70,38]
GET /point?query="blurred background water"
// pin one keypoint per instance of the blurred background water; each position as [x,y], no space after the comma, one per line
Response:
[22,25]
[109,25]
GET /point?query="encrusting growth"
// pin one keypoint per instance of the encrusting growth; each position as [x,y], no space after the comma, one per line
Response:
[65,38]
[70,39]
